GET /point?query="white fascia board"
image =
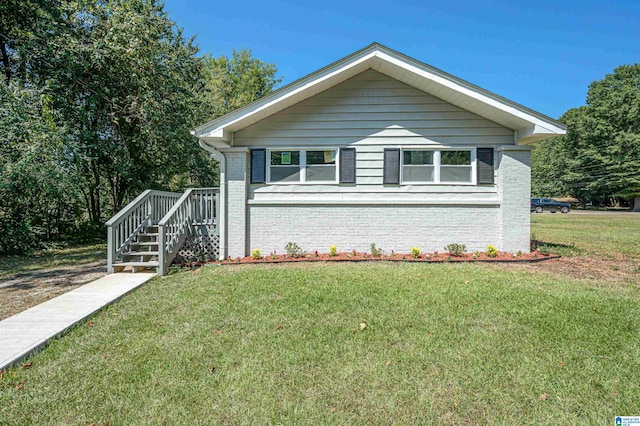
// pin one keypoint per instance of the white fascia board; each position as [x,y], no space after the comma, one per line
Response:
[536,133]
[374,56]
[215,142]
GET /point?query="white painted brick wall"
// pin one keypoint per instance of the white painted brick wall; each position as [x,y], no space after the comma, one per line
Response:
[236,203]
[356,227]
[514,189]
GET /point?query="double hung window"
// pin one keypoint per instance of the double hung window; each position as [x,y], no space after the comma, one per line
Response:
[438,166]
[299,166]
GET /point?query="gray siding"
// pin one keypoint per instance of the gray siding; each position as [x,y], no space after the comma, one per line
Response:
[372,108]
[370,112]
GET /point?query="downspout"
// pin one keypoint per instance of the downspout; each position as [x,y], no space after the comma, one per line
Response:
[222,220]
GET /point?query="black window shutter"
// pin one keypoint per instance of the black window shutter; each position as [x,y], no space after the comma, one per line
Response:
[347,165]
[391,166]
[258,163]
[485,165]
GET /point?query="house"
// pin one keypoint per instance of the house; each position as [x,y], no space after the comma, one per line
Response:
[376,147]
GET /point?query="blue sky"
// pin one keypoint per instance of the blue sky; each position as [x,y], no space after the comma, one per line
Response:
[541,54]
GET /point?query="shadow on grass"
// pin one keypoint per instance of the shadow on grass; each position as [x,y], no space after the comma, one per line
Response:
[59,277]
[555,248]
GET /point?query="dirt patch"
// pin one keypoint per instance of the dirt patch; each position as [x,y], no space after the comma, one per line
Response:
[26,289]
[617,269]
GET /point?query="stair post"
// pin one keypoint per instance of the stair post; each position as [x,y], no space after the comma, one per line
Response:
[161,250]
[111,249]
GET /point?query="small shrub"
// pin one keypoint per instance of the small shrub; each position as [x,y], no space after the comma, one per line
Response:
[415,252]
[436,255]
[393,254]
[333,250]
[201,257]
[315,254]
[448,259]
[375,251]
[274,256]
[492,251]
[455,249]
[475,255]
[293,250]
[519,253]
[255,254]
[544,250]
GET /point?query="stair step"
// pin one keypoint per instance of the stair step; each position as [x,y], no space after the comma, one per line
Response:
[135,266]
[152,263]
[140,253]
[148,234]
[144,243]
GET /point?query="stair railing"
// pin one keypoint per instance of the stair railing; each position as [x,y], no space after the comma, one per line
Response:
[205,206]
[147,209]
[173,229]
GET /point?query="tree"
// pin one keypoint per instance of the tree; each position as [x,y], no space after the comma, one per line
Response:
[233,82]
[97,102]
[38,198]
[598,157]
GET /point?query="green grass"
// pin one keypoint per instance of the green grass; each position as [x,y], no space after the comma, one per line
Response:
[607,235]
[53,258]
[467,343]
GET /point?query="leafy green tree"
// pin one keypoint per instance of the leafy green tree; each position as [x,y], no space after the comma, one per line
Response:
[230,83]
[97,101]
[38,198]
[598,157]
[549,165]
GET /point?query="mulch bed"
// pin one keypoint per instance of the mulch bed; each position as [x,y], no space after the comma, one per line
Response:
[501,257]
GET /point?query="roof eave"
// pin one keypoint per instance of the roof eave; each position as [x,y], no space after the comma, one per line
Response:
[530,125]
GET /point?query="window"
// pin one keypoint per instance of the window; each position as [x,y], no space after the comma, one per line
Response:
[417,166]
[321,165]
[299,166]
[285,166]
[455,166]
[438,166]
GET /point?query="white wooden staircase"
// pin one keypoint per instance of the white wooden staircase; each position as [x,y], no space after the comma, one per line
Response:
[148,233]
[142,253]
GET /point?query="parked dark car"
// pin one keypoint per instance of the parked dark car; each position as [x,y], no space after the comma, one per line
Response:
[539,205]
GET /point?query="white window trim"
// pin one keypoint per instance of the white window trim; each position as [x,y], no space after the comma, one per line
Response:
[303,165]
[437,164]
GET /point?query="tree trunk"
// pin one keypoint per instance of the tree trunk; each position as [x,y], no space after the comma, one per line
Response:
[636,203]
[6,63]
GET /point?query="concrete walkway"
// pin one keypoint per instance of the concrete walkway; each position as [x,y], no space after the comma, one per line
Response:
[25,332]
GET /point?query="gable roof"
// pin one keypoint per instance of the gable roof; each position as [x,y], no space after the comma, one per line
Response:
[530,126]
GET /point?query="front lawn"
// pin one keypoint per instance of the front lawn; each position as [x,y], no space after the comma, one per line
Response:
[607,234]
[343,343]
